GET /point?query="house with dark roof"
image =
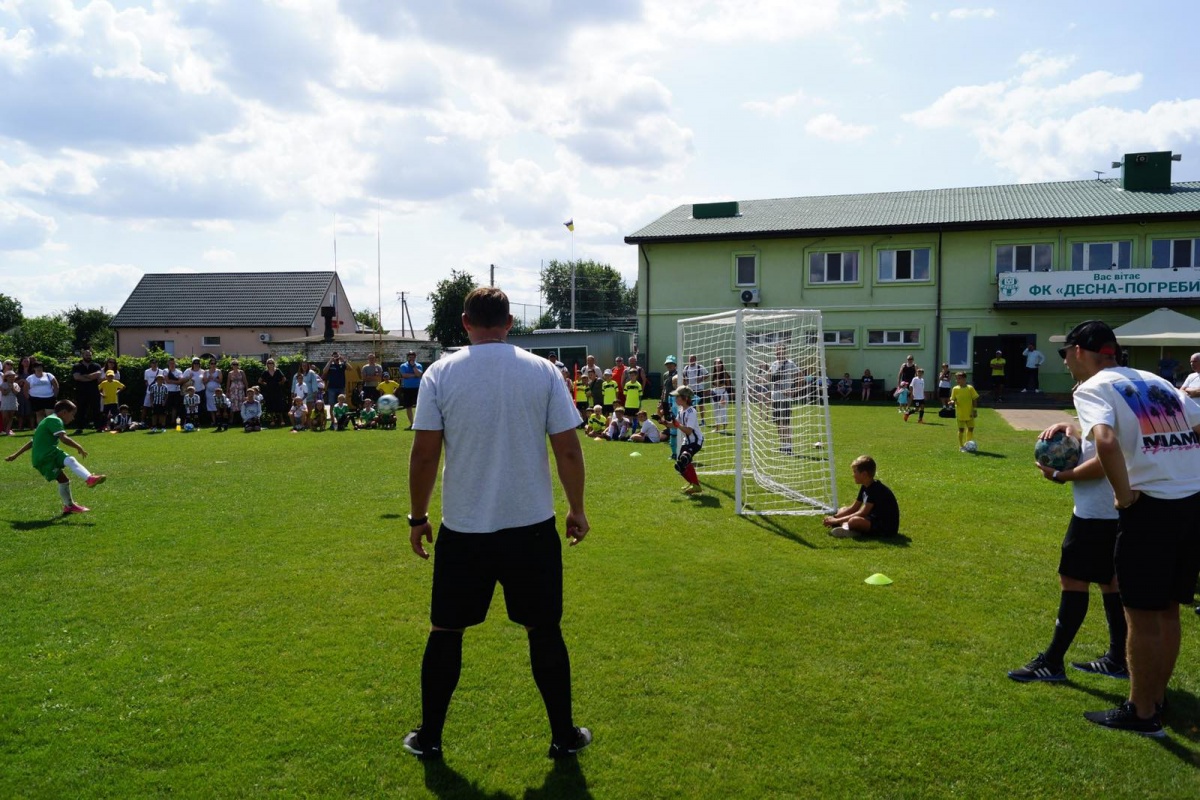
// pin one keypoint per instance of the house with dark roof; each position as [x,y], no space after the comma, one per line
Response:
[948,275]
[230,313]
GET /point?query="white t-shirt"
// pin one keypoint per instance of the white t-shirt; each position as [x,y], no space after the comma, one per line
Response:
[650,431]
[176,374]
[1191,382]
[782,376]
[196,376]
[918,388]
[695,377]
[150,375]
[1154,424]
[1094,498]
[40,387]
[687,418]
[495,404]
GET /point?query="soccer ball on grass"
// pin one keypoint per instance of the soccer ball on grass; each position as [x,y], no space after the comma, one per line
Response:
[971,447]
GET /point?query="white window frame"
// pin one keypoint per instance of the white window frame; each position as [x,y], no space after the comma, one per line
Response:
[1033,260]
[912,264]
[824,256]
[1170,242]
[840,337]
[895,337]
[1116,245]
[950,334]
[737,257]
[210,341]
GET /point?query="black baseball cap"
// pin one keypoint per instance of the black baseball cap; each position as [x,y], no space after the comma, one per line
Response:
[1093,335]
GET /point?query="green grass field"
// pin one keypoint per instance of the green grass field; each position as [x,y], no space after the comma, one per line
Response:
[241,615]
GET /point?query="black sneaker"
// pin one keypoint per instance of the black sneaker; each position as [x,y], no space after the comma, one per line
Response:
[583,737]
[412,743]
[1039,669]
[1124,718]
[1104,665]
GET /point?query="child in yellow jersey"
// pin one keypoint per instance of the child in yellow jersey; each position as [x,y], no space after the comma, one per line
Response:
[388,386]
[581,396]
[609,390]
[596,423]
[110,387]
[964,399]
[633,394]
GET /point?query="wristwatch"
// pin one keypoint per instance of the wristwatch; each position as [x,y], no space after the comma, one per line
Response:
[415,521]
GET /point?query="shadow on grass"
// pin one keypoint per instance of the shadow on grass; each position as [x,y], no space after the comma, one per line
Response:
[391,516]
[985,454]
[1180,719]
[899,540]
[565,780]
[42,524]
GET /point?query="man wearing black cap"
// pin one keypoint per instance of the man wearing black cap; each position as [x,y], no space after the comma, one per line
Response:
[1147,437]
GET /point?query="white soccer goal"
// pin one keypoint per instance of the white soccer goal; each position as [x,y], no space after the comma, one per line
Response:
[766,409]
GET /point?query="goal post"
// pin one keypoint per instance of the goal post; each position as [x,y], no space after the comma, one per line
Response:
[764,408]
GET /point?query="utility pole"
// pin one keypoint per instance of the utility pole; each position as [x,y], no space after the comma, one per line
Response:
[492,275]
[404,315]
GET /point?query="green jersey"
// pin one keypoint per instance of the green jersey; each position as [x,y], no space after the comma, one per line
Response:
[633,395]
[47,457]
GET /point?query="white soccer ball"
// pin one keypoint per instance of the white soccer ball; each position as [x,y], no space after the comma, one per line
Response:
[388,404]
[971,447]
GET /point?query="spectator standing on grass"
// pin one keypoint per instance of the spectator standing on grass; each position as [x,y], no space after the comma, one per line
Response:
[222,410]
[997,366]
[273,383]
[334,375]
[1087,558]
[695,377]
[498,521]
[908,371]
[25,416]
[87,375]
[9,389]
[174,381]
[42,388]
[110,390]
[149,374]
[633,369]
[1033,362]
[410,383]
[945,382]
[1146,435]
[618,375]
[212,382]
[371,374]
[917,387]
[235,386]
[1191,384]
[783,376]
[160,405]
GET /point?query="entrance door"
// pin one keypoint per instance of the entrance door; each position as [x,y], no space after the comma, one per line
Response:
[1010,345]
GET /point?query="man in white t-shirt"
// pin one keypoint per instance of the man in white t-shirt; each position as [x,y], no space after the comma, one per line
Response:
[1191,384]
[497,511]
[782,376]
[1147,437]
[1033,362]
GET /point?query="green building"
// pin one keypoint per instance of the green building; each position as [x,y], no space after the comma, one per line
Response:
[947,275]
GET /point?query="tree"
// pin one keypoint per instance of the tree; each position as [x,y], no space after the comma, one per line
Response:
[601,297]
[89,328]
[10,312]
[447,300]
[368,319]
[50,336]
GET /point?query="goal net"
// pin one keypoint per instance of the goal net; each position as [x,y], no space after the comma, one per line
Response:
[765,406]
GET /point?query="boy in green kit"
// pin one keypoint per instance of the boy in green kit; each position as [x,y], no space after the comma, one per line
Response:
[49,459]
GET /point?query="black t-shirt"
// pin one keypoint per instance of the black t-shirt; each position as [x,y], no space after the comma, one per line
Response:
[908,372]
[86,368]
[885,511]
[337,376]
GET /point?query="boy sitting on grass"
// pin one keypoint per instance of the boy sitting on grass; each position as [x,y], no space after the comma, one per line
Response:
[620,427]
[647,432]
[596,423]
[367,418]
[874,513]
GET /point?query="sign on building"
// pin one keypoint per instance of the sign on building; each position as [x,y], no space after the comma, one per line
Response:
[1148,284]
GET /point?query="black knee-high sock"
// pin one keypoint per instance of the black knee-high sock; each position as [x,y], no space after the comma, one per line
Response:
[1114,612]
[439,677]
[552,672]
[1072,608]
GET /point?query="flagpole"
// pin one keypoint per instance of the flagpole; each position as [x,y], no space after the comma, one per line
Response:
[571,227]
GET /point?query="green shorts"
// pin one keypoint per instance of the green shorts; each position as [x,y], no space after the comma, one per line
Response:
[52,465]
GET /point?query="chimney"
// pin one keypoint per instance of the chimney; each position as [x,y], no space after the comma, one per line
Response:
[328,313]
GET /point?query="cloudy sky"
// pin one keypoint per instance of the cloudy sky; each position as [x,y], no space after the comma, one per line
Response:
[231,135]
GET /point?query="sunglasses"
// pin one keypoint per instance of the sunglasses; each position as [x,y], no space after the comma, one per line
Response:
[1062,351]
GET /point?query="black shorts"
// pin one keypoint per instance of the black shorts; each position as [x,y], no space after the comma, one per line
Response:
[1158,552]
[881,526]
[408,397]
[781,411]
[943,393]
[1087,550]
[42,403]
[527,562]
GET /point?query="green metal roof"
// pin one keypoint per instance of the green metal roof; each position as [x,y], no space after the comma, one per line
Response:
[973,207]
[225,299]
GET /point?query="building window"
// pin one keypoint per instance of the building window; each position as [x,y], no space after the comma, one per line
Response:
[1175,253]
[839,338]
[909,336]
[165,345]
[745,269]
[210,341]
[1101,255]
[904,265]
[1023,258]
[833,267]
[960,348]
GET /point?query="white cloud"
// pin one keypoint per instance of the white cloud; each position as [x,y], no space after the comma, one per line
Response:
[828,126]
[971,13]
[90,285]
[879,10]
[218,255]
[1039,66]
[22,228]
[742,20]
[780,105]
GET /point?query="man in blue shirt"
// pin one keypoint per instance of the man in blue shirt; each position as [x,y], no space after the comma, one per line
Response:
[410,384]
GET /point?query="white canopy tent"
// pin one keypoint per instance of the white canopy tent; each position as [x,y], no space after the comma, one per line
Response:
[1160,328]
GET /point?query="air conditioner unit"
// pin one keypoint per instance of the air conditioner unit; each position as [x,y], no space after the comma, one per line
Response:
[264,337]
[751,296]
